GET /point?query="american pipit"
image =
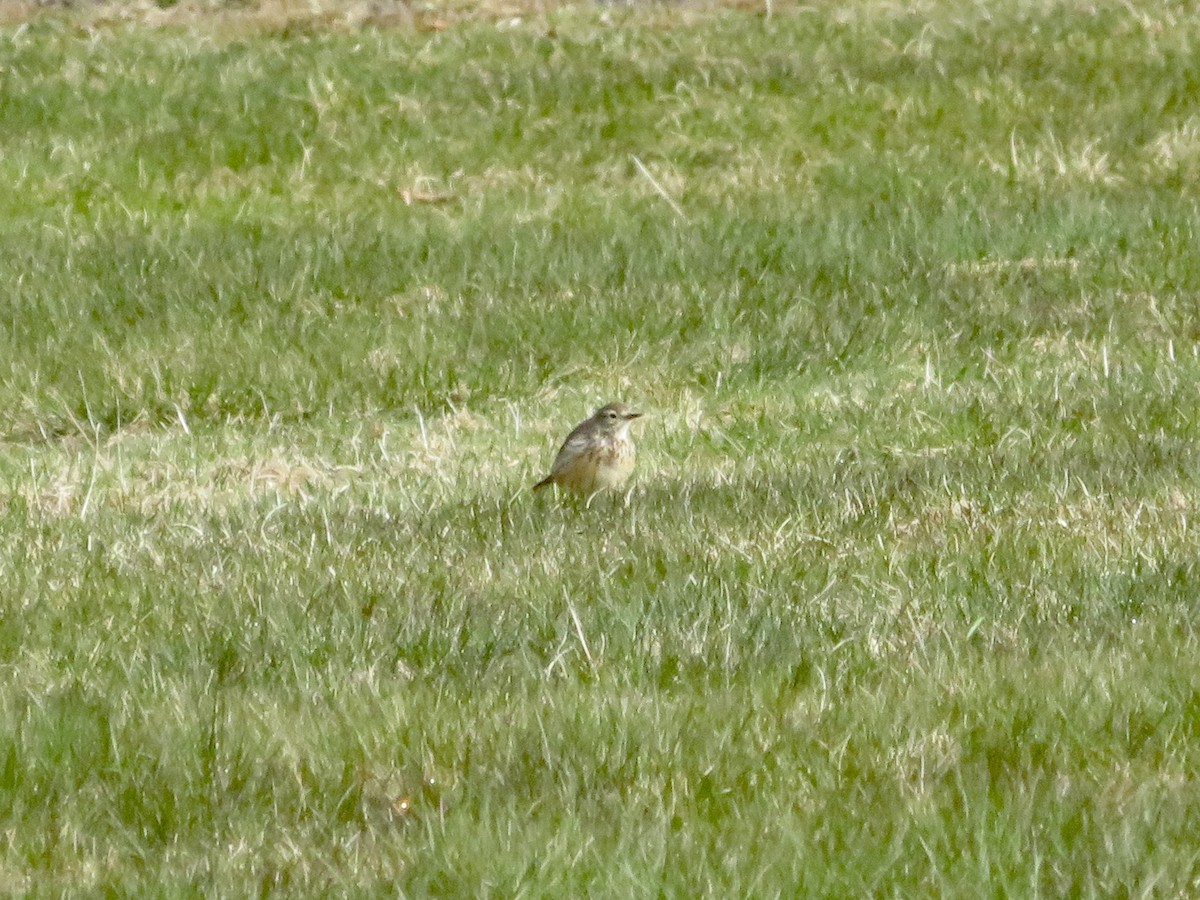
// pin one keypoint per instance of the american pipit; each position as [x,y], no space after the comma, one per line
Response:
[597,455]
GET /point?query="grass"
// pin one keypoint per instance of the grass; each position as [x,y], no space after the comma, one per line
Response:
[297,307]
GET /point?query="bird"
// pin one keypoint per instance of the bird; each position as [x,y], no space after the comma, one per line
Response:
[597,455]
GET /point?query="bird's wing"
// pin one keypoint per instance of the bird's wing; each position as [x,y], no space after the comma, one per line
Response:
[576,442]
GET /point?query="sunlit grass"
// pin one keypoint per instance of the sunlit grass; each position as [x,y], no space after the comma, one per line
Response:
[299,303]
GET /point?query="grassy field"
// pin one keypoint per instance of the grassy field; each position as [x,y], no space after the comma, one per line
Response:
[295,308]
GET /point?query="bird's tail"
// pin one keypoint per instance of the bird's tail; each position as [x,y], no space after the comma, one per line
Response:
[544,483]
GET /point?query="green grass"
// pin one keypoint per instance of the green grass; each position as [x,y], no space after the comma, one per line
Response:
[904,600]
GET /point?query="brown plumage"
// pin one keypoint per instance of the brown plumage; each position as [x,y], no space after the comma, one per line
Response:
[597,455]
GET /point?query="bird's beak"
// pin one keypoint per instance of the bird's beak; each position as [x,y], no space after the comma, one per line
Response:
[633,415]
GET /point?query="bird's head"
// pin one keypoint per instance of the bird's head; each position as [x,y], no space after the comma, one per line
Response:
[616,417]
